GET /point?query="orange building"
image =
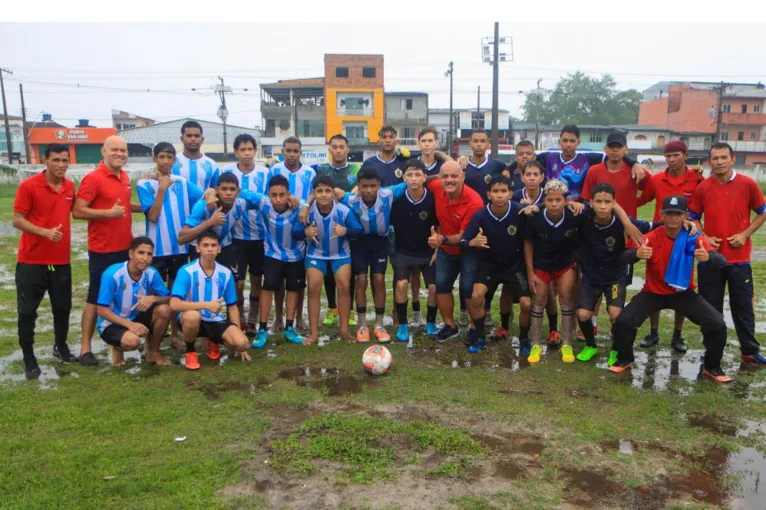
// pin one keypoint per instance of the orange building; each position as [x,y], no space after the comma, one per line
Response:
[84,142]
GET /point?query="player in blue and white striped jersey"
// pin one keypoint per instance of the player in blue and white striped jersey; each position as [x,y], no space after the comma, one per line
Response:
[299,176]
[369,253]
[133,304]
[329,225]
[193,165]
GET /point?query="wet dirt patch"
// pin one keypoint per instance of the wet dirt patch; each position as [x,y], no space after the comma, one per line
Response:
[213,391]
[716,424]
[327,378]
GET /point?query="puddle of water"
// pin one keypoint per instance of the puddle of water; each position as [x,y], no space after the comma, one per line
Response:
[331,379]
[715,424]
[529,445]
[212,391]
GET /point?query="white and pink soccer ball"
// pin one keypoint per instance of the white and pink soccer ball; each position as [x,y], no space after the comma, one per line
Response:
[377,360]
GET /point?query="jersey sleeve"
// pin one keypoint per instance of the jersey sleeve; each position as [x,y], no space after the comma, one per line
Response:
[347,198]
[757,202]
[230,292]
[590,178]
[193,192]
[108,289]
[643,226]
[88,190]
[181,285]
[298,230]
[252,200]
[647,194]
[398,190]
[215,175]
[353,225]
[23,201]
[702,243]
[471,230]
[158,286]
[594,158]
[473,208]
[695,206]
[197,215]
[145,195]
[529,227]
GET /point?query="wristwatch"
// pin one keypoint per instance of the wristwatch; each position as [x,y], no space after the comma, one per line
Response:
[444,239]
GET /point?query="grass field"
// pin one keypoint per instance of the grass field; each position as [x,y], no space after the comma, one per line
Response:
[304,427]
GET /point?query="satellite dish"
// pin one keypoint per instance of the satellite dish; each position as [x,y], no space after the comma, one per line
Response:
[284,125]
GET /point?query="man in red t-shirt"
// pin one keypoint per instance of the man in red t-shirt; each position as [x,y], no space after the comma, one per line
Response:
[456,204]
[104,200]
[658,295]
[726,200]
[42,211]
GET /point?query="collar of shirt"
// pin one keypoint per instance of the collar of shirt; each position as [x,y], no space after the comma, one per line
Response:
[108,172]
[384,161]
[558,223]
[526,197]
[688,175]
[407,194]
[336,168]
[43,183]
[432,166]
[489,210]
[603,227]
[480,165]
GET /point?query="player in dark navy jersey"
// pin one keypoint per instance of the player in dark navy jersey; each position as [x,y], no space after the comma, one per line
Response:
[428,141]
[389,161]
[525,151]
[532,192]
[479,169]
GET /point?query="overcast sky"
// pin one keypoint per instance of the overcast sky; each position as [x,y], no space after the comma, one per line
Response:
[174,58]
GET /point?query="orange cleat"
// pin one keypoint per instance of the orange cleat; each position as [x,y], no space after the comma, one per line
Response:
[192,361]
[554,337]
[213,351]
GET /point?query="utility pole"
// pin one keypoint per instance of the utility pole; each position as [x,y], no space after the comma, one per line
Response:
[478,107]
[495,58]
[719,114]
[24,123]
[5,115]
[537,119]
[449,133]
[223,112]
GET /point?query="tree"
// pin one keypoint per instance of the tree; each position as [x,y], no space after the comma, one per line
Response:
[580,99]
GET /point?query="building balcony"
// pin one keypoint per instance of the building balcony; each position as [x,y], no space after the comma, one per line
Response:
[408,141]
[747,146]
[358,141]
[343,111]
[402,117]
[270,108]
[750,119]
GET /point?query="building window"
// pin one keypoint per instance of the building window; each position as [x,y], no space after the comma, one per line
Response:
[753,135]
[596,137]
[408,132]
[740,135]
[706,143]
[726,108]
[744,108]
[757,108]
[368,72]
[341,72]
[408,104]
[724,135]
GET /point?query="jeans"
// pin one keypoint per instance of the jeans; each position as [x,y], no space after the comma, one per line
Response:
[448,267]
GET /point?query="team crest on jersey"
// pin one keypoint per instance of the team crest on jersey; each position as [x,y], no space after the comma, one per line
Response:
[511,230]
[569,233]
[351,179]
[423,215]
[610,241]
[398,173]
[487,178]
[123,287]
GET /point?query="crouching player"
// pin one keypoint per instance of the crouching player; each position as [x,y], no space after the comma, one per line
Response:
[497,232]
[133,304]
[201,289]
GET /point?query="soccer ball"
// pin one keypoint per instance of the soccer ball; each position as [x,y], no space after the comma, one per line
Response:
[377,360]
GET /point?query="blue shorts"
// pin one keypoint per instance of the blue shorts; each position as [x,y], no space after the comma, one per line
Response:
[369,252]
[322,264]
[448,267]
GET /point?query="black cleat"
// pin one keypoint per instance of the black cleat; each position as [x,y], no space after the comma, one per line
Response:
[650,341]
[63,354]
[88,359]
[679,345]
[31,368]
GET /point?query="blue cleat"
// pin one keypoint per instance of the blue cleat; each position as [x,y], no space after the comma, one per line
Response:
[292,336]
[431,328]
[524,347]
[477,346]
[403,333]
[259,342]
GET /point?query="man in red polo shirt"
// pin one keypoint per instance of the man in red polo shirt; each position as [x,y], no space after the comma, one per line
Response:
[42,211]
[726,200]
[455,206]
[676,179]
[104,200]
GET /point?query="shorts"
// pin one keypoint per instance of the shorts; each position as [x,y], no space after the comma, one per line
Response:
[448,267]
[391,242]
[212,330]
[169,265]
[553,276]
[322,264]
[276,271]
[515,282]
[97,264]
[249,256]
[405,264]
[369,252]
[113,333]
[615,295]
[228,258]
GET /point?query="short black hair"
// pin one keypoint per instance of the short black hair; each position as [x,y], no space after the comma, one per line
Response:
[499,179]
[323,179]
[279,180]
[292,139]
[479,131]
[571,128]
[138,241]
[228,177]
[534,164]
[525,143]
[208,234]
[190,124]
[367,172]
[428,129]
[240,139]
[387,129]
[602,187]
[338,137]
[164,147]
[721,145]
[414,163]
[55,148]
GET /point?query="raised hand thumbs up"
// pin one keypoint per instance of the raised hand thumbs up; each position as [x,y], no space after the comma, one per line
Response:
[54,234]
[644,252]
[218,218]
[435,240]
[117,210]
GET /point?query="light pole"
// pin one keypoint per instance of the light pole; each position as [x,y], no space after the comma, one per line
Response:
[494,57]
[223,112]
[449,133]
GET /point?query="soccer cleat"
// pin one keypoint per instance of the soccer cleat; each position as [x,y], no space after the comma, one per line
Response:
[471,337]
[447,332]
[464,319]
[363,335]
[259,342]
[331,317]
[650,340]
[500,334]
[382,335]
[612,358]
[620,366]
[292,336]
[417,319]
[477,346]
[488,319]
[554,337]
[567,356]
[213,351]
[88,359]
[587,353]
[679,345]
[31,368]
[757,358]
[716,374]
[534,354]
[403,333]
[524,347]
[251,328]
[351,321]
[192,361]
[431,328]
[63,354]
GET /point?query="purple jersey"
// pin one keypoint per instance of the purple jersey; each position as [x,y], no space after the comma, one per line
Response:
[572,172]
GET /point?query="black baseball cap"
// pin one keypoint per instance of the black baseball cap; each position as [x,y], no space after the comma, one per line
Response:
[674,203]
[617,138]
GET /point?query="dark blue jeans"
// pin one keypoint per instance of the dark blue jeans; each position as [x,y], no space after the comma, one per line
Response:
[448,267]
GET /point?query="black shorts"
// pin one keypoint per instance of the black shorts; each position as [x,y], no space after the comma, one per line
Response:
[405,264]
[228,258]
[113,333]
[514,282]
[369,252]
[97,264]
[169,265]
[212,330]
[276,271]
[249,257]
[589,295]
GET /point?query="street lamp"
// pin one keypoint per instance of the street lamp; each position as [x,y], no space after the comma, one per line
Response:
[492,54]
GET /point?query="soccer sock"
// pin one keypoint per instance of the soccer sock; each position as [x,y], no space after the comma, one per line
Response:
[594,321]
[553,319]
[567,323]
[524,332]
[401,312]
[654,332]
[329,289]
[190,347]
[505,321]
[431,314]
[479,324]
[536,323]
[289,323]
[416,305]
[587,331]
[253,315]
[676,334]
[263,325]
[379,312]
[361,316]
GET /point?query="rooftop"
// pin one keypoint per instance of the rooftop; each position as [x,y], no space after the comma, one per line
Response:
[406,93]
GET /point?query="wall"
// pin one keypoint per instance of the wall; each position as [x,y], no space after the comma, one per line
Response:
[395,111]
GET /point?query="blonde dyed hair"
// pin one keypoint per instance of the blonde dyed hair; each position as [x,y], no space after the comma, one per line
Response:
[556,185]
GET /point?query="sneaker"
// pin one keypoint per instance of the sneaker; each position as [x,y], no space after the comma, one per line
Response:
[192,361]
[612,358]
[363,335]
[620,366]
[259,342]
[403,333]
[382,335]
[88,360]
[31,368]
[534,354]
[417,319]
[488,320]
[587,353]
[525,347]
[447,333]
[63,354]
[679,345]
[213,351]
[757,358]
[554,338]
[477,346]
[500,334]
[464,319]
[251,328]
[431,328]
[716,374]
[351,321]
[471,337]
[567,355]
[650,340]
[331,317]
[292,336]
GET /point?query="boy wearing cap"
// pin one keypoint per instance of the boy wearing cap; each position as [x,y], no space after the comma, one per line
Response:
[726,200]
[658,251]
